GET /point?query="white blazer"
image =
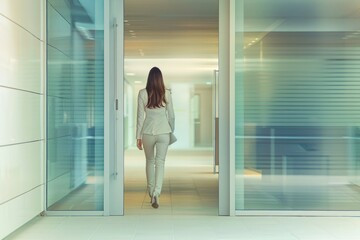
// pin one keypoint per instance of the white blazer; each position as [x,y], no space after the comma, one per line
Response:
[154,121]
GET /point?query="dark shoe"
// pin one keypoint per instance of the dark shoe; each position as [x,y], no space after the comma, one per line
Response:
[155,202]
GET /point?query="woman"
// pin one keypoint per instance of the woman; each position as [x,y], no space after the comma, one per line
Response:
[155,123]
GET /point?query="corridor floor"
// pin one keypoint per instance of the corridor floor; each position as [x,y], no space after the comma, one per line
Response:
[188,210]
[190,187]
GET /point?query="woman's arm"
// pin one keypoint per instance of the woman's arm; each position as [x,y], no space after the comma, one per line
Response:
[140,116]
[139,144]
[170,110]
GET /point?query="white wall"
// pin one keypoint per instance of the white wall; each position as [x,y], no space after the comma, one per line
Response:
[204,136]
[21,112]
[181,96]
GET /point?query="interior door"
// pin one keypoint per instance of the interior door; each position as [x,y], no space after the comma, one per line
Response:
[76,123]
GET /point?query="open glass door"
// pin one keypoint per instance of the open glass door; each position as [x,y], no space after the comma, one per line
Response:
[83,120]
[75,106]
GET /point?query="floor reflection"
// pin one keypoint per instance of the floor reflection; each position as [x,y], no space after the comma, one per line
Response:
[190,186]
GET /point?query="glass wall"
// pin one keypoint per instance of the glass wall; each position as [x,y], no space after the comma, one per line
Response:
[297,105]
[75,105]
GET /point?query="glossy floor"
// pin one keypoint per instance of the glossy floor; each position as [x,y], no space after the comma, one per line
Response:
[172,227]
[188,210]
[190,185]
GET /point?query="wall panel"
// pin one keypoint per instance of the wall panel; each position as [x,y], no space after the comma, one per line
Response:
[22,112]
[22,119]
[20,58]
[20,210]
[20,169]
[27,14]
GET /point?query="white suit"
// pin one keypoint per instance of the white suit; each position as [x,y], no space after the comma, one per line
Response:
[154,127]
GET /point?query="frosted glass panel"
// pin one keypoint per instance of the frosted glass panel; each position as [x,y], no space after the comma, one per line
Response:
[297,105]
[75,106]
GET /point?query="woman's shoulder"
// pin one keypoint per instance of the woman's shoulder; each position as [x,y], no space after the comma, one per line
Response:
[143,92]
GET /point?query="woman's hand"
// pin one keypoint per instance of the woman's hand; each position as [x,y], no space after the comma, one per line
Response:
[139,144]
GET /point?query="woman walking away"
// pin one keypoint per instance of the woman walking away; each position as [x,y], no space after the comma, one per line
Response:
[155,123]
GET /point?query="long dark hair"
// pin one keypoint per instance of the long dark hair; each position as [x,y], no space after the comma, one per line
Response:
[155,89]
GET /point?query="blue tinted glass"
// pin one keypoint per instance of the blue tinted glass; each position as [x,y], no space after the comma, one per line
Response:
[75,105]
[297,105]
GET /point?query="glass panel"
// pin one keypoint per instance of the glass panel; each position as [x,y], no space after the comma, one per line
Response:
[297,105]
[75,105]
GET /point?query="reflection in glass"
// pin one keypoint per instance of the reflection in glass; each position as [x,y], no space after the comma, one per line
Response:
[297,106]
[75,110]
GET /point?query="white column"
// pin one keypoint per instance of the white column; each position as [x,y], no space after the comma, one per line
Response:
[114,89]
[226,114]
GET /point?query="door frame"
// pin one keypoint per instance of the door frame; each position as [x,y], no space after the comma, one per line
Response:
[114,79]
[114,107]
[226,108]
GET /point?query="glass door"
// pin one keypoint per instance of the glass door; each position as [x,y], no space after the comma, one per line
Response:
[75,105]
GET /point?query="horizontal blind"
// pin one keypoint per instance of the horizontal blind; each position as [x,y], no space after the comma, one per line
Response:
[300,81]
[75,107]
[297,107]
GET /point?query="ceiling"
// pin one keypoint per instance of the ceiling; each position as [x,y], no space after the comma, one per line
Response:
[171,28]
[180,37]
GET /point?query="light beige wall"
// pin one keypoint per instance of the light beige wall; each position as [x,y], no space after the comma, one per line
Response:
[22,134]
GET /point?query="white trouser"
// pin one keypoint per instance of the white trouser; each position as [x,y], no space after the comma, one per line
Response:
[155,164]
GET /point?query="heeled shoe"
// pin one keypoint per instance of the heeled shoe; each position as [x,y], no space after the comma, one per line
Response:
[155,201]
